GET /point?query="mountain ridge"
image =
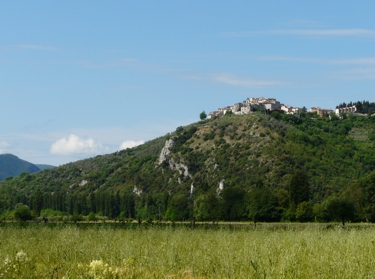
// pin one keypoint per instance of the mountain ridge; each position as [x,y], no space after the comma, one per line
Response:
[11,165]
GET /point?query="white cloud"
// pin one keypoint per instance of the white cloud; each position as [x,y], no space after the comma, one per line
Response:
[76,145]
[130,144]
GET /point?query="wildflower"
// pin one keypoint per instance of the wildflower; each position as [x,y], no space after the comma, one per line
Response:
[7,261]
[96,265]
[21,256]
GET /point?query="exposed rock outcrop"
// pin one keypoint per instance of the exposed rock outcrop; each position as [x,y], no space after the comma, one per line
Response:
[164,154]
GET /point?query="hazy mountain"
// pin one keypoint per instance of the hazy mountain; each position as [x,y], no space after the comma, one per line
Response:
[44,167]
[11,165]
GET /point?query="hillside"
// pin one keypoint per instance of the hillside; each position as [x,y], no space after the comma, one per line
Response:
[44,166]
[275,167]
[11,165]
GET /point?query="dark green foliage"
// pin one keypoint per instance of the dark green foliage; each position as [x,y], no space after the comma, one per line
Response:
[367,196]
[341,209]
[178,208]
[233,203]
[202,115]
[23,213]
[304,212]
[298,188]
[209,136]
[262,205]
[183,137]
[37,202]
[207,207]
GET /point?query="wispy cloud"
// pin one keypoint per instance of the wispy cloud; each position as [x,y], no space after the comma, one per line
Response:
[307,32]
[354,61]
[235,80]
[128,62]
[216,77]
[36,47]
[356,74]
[232,79]
[344,61]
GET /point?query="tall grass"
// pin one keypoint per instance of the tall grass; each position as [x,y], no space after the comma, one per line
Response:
[71,252]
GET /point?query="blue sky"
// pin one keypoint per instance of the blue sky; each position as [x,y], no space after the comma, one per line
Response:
[82,78]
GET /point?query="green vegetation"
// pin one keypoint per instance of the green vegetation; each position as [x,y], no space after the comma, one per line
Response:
[203,115]
[276,168]
[70,252]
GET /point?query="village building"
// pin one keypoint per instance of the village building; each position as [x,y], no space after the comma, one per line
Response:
[345,110]
[321,112]
[252,104]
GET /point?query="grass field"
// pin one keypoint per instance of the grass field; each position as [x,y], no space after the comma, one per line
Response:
[71,252]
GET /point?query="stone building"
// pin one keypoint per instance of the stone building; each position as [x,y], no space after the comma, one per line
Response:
[321,112]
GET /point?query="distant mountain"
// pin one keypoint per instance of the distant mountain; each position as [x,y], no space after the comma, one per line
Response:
[11,165]
[44,167]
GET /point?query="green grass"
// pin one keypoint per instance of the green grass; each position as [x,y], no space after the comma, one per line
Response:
[70,252]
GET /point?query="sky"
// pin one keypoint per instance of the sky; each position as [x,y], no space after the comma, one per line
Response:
[84,78]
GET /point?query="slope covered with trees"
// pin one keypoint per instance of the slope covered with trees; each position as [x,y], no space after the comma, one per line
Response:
[273,167]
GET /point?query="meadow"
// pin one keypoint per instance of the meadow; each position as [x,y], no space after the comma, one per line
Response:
[72,252]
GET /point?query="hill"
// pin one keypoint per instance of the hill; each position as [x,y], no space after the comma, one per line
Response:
[44,166]
[11,165]
[260,167]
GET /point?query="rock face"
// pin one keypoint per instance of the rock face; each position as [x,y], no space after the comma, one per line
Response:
[164,156]
[221,186]
[137,190]
[183,169]
[166,151]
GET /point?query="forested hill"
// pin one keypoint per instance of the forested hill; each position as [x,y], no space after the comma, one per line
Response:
[275,167]
[11,165]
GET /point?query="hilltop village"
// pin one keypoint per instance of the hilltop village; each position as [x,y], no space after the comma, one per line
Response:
[270,104]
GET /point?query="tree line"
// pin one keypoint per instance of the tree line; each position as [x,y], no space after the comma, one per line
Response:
[258,204]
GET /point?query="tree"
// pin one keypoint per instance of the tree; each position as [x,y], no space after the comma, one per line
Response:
[207,207]
[91,217]
[298,188]
[37,202]
[203,115]
[233,203]
[178,208]
[304,212]
[23,213]
[341,209]
[262,204]
[367,197]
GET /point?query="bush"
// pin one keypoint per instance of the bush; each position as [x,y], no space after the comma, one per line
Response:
[23,213]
